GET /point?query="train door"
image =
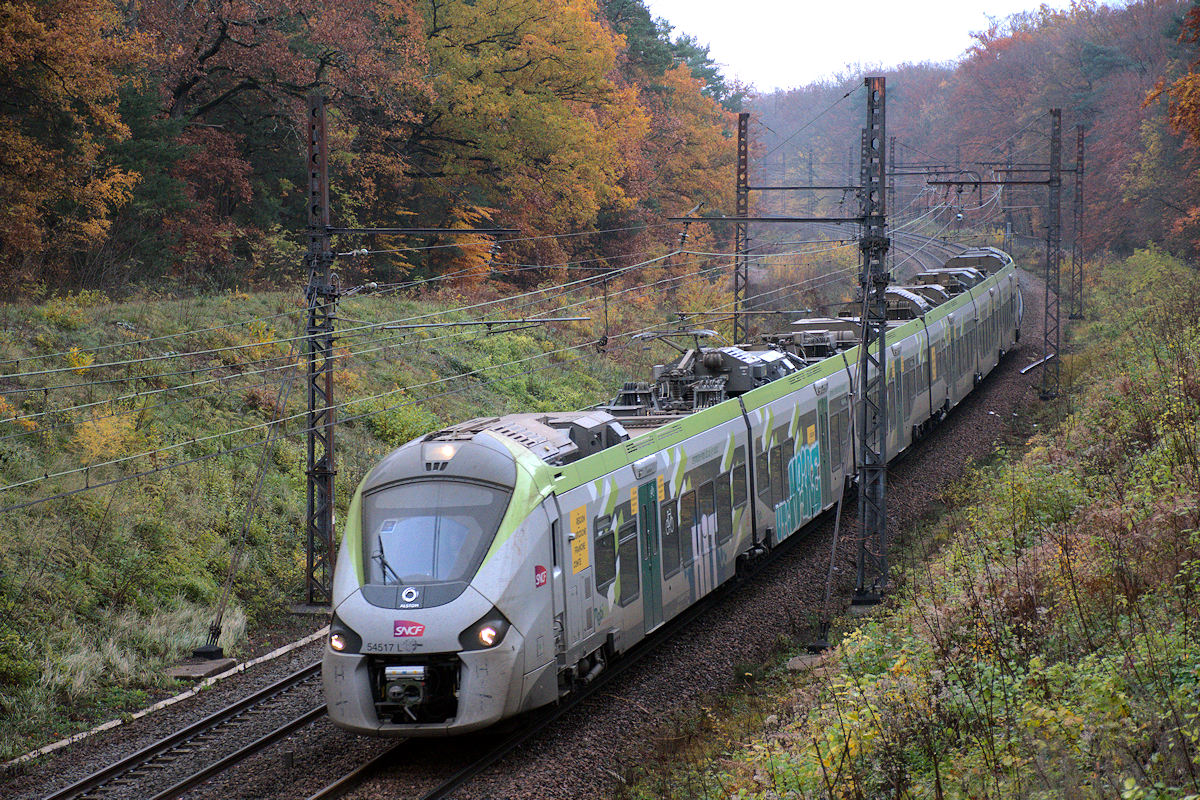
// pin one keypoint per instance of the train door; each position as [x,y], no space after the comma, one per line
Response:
[651,557]
[823,450]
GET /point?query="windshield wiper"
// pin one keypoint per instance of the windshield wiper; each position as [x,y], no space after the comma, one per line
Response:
[383,562]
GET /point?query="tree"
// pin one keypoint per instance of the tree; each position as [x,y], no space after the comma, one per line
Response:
[523,116]
[231,79]
[60,66]
[689,51]
[1182,98]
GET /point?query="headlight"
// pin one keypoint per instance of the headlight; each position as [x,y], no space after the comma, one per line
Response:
[487,632]
[342,638]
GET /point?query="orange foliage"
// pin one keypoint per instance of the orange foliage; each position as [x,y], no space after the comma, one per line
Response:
[59,62]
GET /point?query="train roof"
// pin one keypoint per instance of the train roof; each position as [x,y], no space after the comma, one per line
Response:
[704,377]
[556,438]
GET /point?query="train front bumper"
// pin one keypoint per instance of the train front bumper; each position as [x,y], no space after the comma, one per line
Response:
[474,689]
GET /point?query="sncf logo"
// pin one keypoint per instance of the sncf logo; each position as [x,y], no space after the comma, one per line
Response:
[540,576]
[403,627]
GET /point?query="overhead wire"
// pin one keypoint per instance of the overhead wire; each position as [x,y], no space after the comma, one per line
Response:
[531,238]
[249,345]
[221,380]
[224,380]
[193,441]
[812,121]
[242,323]
[822,279]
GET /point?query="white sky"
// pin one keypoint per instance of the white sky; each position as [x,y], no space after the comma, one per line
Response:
[780,44]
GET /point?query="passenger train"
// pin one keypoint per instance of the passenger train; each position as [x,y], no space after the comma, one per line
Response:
[491,567]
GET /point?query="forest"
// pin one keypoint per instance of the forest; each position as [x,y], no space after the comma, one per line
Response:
[1124,73]
[152,197]
[161,143]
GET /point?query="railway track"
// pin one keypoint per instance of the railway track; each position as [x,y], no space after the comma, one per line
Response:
[177,763]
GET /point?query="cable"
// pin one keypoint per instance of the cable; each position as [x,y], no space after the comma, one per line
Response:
[222,380]
[797,132]
[141,342]
[532,238]
[213,351]
[226,326]
[194,440]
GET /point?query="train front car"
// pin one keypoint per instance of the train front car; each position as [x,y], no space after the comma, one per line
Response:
[442,619]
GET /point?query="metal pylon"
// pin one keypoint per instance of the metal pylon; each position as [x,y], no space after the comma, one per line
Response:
[322,296]
[741,267]
[1075,307]
[1051,369]
[872,362]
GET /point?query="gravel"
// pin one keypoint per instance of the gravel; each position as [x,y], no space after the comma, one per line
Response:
[76,761]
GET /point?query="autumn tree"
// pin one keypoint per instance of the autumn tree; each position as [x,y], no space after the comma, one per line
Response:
[524,123]
[229,80]
[1180,198]
[687,159]
[60,62]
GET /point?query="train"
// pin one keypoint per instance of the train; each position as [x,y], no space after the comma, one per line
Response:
[495,566]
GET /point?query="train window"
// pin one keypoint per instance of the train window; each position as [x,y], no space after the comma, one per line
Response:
[835,441]
[685,534]
[668,522]
[893,407]
[846,444]
[777,485]
[671,551]
[708,506]
[668,532]
[725,507]
[429,531]
[789,452]
[737,479]
[762,477]
[606,559]
[910,388]
[631,568]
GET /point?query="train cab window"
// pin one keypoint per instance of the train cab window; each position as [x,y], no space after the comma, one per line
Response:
[430,531]
[762,477]
[725,506]
[777,484]
[631,568]
[737,480]
[606,555]
[708,504]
